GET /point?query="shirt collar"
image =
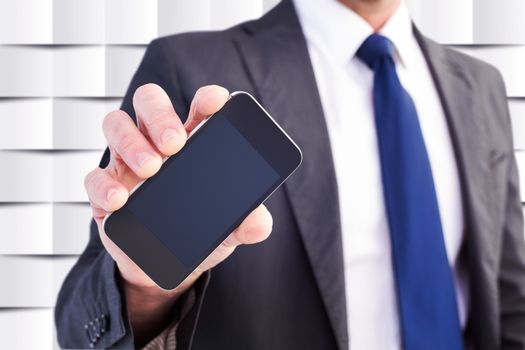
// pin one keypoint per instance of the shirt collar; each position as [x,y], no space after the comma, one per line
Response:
[399,30]
[335,29]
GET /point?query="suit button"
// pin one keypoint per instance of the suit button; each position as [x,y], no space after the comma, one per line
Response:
[95,329]
[104,322]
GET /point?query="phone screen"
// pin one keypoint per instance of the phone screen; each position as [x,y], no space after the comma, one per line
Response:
[206,187]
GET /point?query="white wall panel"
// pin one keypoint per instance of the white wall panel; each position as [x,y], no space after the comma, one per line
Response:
[121,64]
[269,4]
[61,267]
[499,22]
[44,228]
[517,112]
[78,21]
[446,21]
[27,329]
[469,21]
[131,21]
[226,13]
[26,123]
[509,60]
[28,178]
[99,21]
[26,21]
[60,71]
[20,274]
[45,176]
[77,122]
[60,123]
[26,228]
[69,170]
[70,227]
[177,16]
[26,71]
[79,71]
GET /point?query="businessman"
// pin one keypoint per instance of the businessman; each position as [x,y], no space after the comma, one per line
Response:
[401,230]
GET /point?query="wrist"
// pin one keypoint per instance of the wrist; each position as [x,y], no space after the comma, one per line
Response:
[150,309]
[150,293]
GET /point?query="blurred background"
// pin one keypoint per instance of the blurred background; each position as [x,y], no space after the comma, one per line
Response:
[65,63]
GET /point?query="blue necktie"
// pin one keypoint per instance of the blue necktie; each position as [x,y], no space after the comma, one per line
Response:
[425,288]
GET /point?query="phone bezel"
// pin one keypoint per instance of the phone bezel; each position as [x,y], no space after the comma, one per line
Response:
[263,133]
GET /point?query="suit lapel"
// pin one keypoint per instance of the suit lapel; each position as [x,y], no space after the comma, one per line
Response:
[277,61]
[469,135]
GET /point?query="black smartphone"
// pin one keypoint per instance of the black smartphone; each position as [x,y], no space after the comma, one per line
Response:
[228,167]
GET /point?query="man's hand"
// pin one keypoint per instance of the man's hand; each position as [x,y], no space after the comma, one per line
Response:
[136,154]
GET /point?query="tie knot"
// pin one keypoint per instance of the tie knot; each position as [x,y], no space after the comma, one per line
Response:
[374,48]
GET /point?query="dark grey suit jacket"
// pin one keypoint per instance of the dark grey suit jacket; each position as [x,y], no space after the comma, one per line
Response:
[289,292]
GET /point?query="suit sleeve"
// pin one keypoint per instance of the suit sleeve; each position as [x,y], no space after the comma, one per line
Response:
[512,265]
[91,308]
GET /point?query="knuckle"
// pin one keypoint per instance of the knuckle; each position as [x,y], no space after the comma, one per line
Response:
[204,90]
[126,142]
[112,120]
[201,89]
[145,92]
[93,183]
[158,119]
[88,180]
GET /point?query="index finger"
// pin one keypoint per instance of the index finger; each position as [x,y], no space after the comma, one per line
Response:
[157,117]
[207,100]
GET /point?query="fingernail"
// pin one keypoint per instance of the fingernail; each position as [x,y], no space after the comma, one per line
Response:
[168,134]
[143,157]
[111,193]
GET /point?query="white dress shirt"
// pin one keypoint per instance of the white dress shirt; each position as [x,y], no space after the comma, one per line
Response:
[334,33]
